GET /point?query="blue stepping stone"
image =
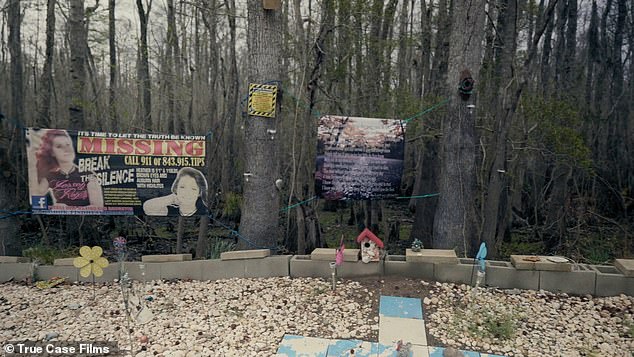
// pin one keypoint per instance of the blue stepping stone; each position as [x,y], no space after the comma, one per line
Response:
[300,346]
[438,352]
[340,348]
[390,351]
[393,306]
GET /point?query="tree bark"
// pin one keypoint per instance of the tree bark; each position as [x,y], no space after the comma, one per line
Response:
[510,90]
[9,187]
[231,100]
[497,183]
[78,46]
[455,221]
[260,211]
[113,123]
[144,67]
[423,78]
[439,68]
[46,83]
[427,182]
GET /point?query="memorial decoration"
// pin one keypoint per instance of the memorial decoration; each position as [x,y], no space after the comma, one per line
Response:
[371,246]
[90,262]
[359,158]
[97,173]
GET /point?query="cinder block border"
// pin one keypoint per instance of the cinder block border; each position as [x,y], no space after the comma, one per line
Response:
[504,275]
[611,282]
[399,266]
[580,281]
[598,280]
[15,271]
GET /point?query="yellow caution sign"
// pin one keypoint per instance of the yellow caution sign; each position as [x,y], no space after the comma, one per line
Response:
[262,100]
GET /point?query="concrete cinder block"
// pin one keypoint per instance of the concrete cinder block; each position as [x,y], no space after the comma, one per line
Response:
[161,258]
[323,254]
[503,275]
[245,254]
[303,266]
[580,281]
[543,264]
[152,271]
[329,254]
[215,269]
[397,265]
[626,266]
[443,256]
[351,255]
[181,270]
[15,271]
[46,272]
[359,269]
[456,273]
[11,259]
[63,262]
[520,264]
[110,273]
[611,282]
[278,265]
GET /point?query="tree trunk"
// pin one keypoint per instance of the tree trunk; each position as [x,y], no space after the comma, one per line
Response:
[505,82]
[301,230]
[509,94]
[78,45]
[546,60]
[144,67]
[427,178]
[209,17]
[180,230]
[404,57]
[423,78]
[230,183]
[455,221]
[439,68]
[260,211]
[46,83]
[113,123]
[9,188]
[175,121]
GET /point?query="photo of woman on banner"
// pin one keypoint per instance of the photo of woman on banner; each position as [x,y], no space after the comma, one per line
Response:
[187,198]
[53,172]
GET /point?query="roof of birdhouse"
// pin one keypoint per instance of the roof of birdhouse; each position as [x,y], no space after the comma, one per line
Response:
[371,236]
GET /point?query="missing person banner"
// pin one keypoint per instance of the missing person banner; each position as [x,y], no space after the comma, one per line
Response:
[359,158]
[96,173]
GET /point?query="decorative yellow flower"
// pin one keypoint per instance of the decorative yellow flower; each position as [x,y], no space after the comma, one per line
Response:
[90,261]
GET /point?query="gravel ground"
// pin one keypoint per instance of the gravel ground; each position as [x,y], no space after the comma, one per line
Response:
[248,317]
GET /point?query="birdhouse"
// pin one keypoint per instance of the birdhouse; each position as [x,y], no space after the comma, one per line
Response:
[371,246]
[271,4]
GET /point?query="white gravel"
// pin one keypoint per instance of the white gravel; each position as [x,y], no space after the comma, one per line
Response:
[249,317]
[546,324]
[234,317]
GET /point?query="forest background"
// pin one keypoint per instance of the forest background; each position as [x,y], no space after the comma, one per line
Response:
[542,164]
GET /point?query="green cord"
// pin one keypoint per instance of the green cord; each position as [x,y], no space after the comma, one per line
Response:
[422,196]
[434,107]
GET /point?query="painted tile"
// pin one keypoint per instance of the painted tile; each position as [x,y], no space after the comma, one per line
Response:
[393,329]
[390,351]
[339,348]
[438,352]
[299,346]
[489,355]
[393,306]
